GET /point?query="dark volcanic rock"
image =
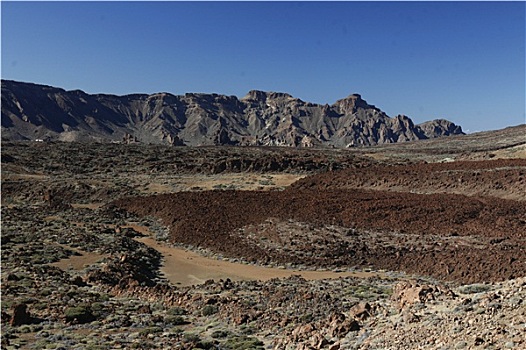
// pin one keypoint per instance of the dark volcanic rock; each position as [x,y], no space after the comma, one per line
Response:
[31,111]
[20,315]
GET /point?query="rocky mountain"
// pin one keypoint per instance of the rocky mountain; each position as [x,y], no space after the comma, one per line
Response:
[31,111]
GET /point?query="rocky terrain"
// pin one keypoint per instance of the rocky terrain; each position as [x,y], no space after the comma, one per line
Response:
[505,143]
[31,111]
[450,237]
[420,246]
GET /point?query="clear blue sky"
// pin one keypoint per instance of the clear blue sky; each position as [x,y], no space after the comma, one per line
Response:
[463,61]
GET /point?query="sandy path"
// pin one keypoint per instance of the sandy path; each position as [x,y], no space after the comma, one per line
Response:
[186,268]
[78,262]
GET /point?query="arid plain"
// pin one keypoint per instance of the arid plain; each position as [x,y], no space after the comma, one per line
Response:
[404,246]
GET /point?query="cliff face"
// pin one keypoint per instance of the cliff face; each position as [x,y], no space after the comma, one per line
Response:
[31,111]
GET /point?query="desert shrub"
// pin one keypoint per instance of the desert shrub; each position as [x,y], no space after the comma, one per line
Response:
[24,329]
[175,320]
[157,306]
[46,292]
[176,311]
[461,345]
[266,182]
[204,346]
[246,329]
[36,328]
[40,344]
[97,306]
[80,314]
[140,346]
[176,330]
[243,343]
[7,304]
[104,297]
[220,334]
[474,288]
[307,318]
[150,330]
[95,347]
[191,338]
[209,310]
[368,292]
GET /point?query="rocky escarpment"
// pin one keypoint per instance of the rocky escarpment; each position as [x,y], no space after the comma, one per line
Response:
[439,127]
[31,111]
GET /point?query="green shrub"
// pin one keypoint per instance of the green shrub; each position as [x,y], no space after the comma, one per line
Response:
[243,343]
[219,334]
[150,330]
[79,314]
[191,338]
[175,311]
[246,329]
[96,306]
[209,310]
[46,292]
[206,345]
[474,288]
[24,329]
[175,320]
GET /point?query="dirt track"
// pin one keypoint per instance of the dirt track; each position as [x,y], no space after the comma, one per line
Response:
[186,268]
[448,236]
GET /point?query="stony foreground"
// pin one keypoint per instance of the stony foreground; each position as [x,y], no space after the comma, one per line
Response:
[119,303]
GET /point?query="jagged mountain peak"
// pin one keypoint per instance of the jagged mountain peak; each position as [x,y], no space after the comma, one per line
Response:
[262,96]
[256,95]
[351,104]
[353,96]
[32,111]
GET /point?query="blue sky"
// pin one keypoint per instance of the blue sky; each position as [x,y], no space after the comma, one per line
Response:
[463,61]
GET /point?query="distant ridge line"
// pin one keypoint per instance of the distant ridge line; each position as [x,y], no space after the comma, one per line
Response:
[34,111]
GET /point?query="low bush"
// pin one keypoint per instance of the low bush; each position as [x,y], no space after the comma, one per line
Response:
[243,343]
[220,334]
[209,310]
[150,330]
[79,314]
[474,288]
[175,320]
[176,311]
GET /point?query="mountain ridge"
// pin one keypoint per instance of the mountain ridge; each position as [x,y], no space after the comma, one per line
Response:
[260,118]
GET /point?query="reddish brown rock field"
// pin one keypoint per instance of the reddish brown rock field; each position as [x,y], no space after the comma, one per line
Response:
[440,233]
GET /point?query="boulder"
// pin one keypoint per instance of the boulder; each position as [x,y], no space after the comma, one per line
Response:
[406,294]
[361,311]
[20,315]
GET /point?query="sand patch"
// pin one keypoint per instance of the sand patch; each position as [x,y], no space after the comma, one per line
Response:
[78,262]
[185,268]
[239,181]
